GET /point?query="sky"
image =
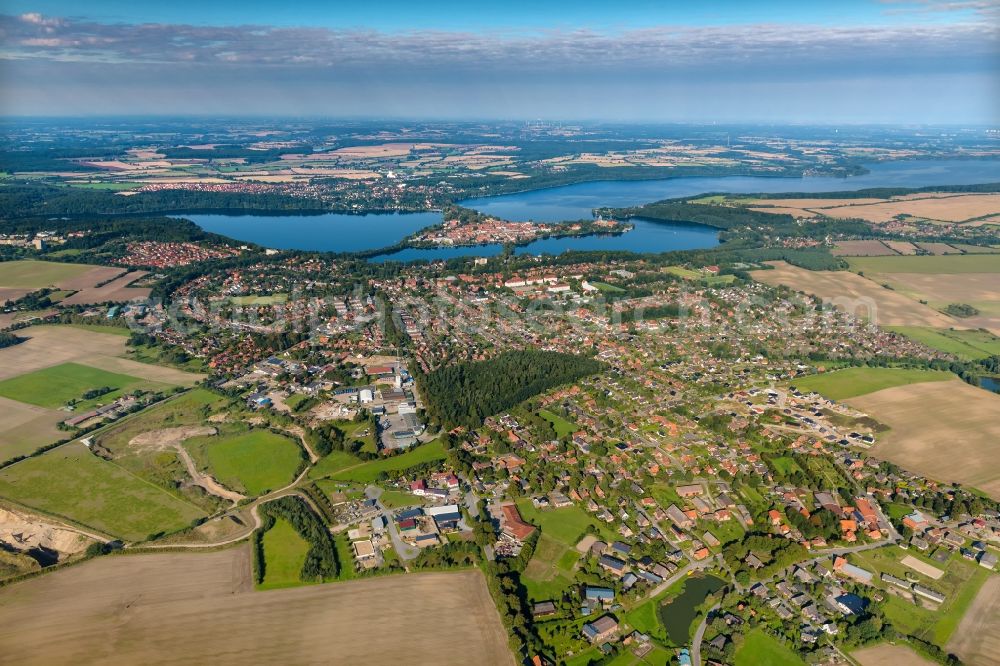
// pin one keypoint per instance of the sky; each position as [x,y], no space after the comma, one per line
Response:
[779,61]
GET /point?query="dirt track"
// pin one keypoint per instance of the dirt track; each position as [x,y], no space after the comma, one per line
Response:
[200,608]
[171,438]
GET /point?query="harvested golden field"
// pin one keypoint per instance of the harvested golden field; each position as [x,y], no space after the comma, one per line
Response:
[861,248]
[24,427]
[890,655]
[52,345]
[977,639]
[785,210]
[853,293]
[201,608]
[943,430]
[957,208]
[901,247]
[116,290]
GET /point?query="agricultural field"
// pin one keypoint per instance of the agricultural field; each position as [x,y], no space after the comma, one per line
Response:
[284,554]
[202,607]
[57,385]
[853,382]
[18,278]
[890,655]
[758,648]
[977,638]
[964,417]
[855,294]
[59,363]
[943,208]
[966,344]
[73,483]
[942,280]
[368,472]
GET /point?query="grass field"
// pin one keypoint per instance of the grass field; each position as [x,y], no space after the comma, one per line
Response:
[853,382]
[201,608]
[368,471]
[760,648]
[190,408]
[963,416]
[548,573]
[72,482]
[97,328]
[335,462]
[37,274]
[682,272]
[950,263]
[259,300]
[961,582]
[55,386]
[967,344]
[284,554]
[254,462]
[608,288]
[566,525]
[561,425]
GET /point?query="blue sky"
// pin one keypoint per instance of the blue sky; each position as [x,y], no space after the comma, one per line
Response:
[885,61]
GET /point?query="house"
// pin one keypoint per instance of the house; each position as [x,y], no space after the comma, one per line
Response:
[612,564]
[600,629]
[363,550]
[445,517]
[844,568]
[987,560]
[719,642]
[690,490]
[418,487]
[601,594]
[543,609]
[513,525]
[916,521]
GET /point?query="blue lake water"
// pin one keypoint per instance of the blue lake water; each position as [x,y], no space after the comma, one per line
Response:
[334,232]
[990,383]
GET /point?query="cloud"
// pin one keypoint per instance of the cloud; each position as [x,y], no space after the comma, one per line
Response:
[36,37]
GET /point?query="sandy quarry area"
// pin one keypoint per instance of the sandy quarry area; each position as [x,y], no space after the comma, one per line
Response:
[943,430]
[24,531]
[201,608]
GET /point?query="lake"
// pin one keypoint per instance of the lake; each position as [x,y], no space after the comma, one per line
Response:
[335,232]
[678,614]
[990,383]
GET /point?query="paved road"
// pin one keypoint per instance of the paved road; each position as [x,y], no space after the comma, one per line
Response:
[699,635]
[404,550]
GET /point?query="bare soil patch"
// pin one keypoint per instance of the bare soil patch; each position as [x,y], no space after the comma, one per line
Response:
[956,208]
[201,608]
[943,430]
[171,439]
[890,655]
[921,567]
[977,639]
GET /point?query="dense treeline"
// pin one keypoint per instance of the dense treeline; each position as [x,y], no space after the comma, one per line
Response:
[20,200]
[468,392]
[321,560]
[720,217]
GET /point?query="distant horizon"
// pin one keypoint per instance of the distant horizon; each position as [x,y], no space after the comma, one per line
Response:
[868,62]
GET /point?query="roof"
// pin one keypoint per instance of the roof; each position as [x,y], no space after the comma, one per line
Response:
[514,524]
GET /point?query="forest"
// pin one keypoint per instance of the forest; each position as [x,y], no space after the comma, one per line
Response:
[468,392]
